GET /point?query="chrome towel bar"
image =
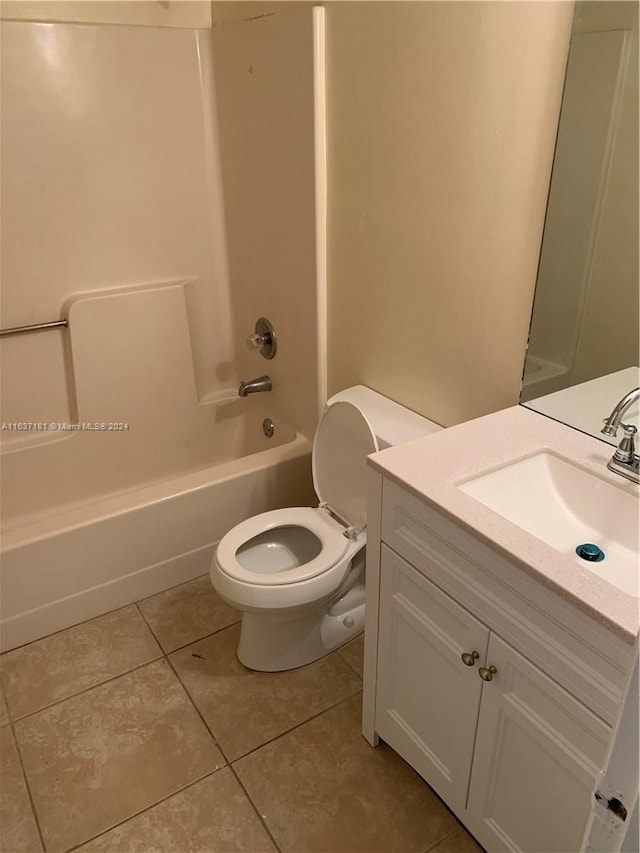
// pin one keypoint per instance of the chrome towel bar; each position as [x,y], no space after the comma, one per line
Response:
[34,327]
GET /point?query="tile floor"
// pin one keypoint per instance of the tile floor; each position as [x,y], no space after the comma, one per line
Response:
[140,731]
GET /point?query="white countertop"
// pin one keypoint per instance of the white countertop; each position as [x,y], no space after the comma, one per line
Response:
[431,468]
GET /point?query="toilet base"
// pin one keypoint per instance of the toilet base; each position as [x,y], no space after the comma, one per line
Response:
[277,642]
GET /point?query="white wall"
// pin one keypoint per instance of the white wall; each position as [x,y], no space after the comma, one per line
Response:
[441,126]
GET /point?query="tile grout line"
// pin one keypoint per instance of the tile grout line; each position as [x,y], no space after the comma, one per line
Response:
[91,686]
[344,646]
[25,778]
[271,740]
[87,689]
[352,667]
[145,809]
[136,604]
[224,755]
[261,818]
[275,737]
[167,652]
[197,639]
[440,840]
[161,654]
[197,710]
[11,721]
[164,656]
[297,726]
[188,695]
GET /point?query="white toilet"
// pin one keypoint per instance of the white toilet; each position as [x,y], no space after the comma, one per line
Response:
[297,574]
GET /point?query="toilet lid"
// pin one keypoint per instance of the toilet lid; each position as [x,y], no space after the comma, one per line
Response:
[343,441]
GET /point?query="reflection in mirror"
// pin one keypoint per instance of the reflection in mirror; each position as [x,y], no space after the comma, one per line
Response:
[583,344]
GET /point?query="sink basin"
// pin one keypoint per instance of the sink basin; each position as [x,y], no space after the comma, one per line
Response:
[566,506]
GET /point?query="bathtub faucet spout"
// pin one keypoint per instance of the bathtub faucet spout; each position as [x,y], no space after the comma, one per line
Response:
[253,386]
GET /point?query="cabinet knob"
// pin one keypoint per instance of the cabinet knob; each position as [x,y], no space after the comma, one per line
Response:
[487,673]
[469,659]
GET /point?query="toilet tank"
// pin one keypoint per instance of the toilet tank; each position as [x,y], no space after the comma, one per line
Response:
[391,422]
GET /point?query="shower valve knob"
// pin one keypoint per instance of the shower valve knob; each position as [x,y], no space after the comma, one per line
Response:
[263,339]
[256,342]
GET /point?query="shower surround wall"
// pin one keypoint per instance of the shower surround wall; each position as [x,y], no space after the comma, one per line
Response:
[276,239]
[167,13]
[113,216]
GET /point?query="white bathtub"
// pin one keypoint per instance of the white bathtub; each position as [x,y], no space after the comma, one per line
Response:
[67,563]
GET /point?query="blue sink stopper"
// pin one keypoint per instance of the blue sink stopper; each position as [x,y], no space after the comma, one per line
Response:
[590,552]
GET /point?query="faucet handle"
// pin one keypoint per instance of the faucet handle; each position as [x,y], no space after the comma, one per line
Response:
[627,448]
[257,341]
[263,339]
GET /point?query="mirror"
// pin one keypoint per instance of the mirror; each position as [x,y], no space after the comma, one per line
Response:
[583,341]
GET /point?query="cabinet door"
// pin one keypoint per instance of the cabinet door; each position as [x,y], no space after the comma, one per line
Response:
[427,699]
[537,754]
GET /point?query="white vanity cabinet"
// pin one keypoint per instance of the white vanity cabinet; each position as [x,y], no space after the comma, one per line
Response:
[537,754]
[514,754]
[426,698]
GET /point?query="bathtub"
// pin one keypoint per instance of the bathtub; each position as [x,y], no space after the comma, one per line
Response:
[65,562]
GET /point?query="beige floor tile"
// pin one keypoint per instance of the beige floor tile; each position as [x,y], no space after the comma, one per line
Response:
[212,816]
[322,788]
[458,842]
[245,709]
[353,653]
[18,831]
[96,759]
[187,613]
[65,663]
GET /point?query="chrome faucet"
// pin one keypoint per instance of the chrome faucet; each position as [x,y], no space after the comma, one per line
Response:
[612,423]
[253,386]
[625,461]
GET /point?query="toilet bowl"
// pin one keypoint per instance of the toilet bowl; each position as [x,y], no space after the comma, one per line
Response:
[297,574]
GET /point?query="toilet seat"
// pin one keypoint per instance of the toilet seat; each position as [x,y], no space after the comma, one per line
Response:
[249,574]
[333,545]
[342,442]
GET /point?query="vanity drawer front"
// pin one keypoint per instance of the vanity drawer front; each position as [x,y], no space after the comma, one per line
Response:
[574,649]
